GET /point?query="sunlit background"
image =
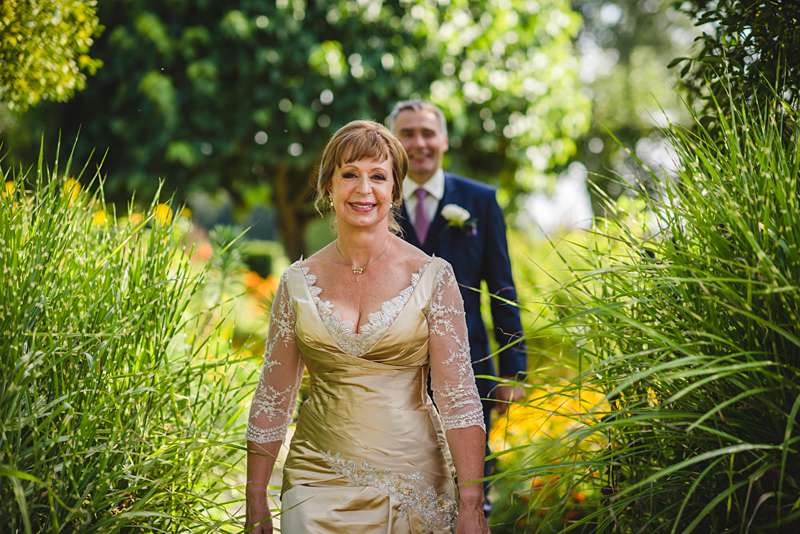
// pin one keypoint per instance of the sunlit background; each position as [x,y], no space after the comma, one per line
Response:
[159,161]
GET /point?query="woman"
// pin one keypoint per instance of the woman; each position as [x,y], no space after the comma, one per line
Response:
[371,317]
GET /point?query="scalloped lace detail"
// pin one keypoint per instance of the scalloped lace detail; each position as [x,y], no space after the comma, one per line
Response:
[359,343]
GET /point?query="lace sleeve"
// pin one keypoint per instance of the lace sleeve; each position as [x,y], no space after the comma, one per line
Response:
[452,379]
[274,399]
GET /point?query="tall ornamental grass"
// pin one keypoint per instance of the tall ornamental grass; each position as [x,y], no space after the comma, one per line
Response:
[113,417]
[691,326]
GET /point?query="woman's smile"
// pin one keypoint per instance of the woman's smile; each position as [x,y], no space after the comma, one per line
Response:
[362,207]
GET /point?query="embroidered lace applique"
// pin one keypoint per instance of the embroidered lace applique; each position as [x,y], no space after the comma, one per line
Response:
[268,401]
[359,343]
[273,402]
[265,435]
[270,404]
[282,320]
[408,490]
[452,378]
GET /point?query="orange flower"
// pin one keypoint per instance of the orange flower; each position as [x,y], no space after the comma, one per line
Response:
[203,251]
[271,282]
[252,280]
[267,287]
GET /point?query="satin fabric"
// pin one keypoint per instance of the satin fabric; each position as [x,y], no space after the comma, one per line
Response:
[369,454]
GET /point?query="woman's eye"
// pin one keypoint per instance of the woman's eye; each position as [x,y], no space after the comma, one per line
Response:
[348,175]
[378,177]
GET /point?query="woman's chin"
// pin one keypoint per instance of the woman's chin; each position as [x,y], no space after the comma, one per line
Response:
[364,221]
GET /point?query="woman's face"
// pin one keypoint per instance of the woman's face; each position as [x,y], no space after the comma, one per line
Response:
[362,192]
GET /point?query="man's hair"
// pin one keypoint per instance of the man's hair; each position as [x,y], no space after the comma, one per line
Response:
[416,105]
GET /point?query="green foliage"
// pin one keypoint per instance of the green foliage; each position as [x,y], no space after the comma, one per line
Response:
[261,256]
[537,488]
[626,46]
[205,95]
[510,87]
[694,334]
[44,50]
[541,268]
[752,43]
[115,410]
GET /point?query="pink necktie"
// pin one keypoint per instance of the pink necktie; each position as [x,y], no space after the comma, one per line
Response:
[421,222]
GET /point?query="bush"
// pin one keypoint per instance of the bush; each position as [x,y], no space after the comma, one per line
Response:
[44,50]
[264,257]
[537,490]
[752,43]
[111,417]
[693,330]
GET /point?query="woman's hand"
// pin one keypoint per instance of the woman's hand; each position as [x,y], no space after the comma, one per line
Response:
[471,519]
[259,518]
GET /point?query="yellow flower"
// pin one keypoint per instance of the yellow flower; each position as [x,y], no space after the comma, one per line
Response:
[186,213]
[70,189]
[652,398]
[9,189]
[99,218]
[163,214]
[549,413]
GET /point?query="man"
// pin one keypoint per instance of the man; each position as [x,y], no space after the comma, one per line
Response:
[459,220]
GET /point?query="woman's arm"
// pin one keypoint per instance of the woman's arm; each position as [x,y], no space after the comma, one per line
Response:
[271,409]
[457,399]
[467,446]
[260,461]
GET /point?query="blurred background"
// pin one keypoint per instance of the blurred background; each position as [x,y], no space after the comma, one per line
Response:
[195,129]
[230,103]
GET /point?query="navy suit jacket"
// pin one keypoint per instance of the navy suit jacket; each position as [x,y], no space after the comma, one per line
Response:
[476,256]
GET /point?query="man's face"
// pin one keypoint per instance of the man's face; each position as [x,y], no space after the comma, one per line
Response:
[424,141]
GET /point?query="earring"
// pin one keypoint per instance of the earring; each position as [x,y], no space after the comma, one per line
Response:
[330,201]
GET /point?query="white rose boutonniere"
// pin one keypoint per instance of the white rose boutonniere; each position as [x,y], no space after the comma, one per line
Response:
[458,217]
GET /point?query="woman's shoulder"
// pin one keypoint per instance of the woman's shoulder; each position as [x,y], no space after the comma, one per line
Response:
[412,258]
[416,259]
[320,256]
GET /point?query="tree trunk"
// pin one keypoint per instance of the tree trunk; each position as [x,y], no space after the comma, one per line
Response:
[292,219]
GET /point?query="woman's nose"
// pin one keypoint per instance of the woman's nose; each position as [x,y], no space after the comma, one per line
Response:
[364,185]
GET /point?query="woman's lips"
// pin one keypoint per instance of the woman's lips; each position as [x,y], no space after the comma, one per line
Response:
[362,207]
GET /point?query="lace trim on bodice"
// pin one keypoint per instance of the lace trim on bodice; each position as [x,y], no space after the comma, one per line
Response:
[359,343]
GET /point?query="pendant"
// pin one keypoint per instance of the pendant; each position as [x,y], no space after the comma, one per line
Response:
[358,270]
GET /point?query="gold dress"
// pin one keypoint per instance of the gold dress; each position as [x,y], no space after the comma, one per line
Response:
[369,453]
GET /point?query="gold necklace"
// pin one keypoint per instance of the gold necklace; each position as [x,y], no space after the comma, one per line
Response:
[360,269]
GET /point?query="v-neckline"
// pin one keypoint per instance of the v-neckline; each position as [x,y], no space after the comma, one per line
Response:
[350,338]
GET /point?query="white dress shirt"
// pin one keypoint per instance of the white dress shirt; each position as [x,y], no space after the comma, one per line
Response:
[435,188]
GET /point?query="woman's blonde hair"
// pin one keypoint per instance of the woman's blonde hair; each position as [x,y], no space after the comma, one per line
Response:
[359,140]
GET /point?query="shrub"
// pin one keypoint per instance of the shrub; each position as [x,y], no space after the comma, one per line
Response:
[693,330]
[752,43]
[111,416]
[537,488]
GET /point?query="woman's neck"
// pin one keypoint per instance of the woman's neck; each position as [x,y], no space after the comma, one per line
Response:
[359,246]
